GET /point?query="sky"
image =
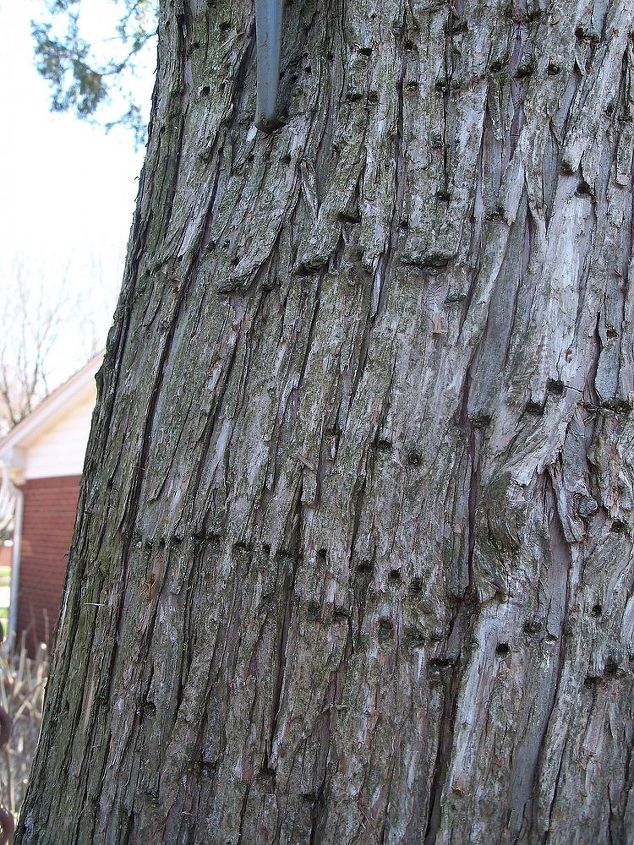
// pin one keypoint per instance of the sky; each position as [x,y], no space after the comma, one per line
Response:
[67,192]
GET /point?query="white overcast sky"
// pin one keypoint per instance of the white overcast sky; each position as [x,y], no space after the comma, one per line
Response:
[67,189]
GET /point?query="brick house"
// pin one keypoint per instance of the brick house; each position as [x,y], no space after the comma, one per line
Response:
[43,458]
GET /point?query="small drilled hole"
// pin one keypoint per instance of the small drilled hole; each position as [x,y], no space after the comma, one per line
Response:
[386,626]
[416,585]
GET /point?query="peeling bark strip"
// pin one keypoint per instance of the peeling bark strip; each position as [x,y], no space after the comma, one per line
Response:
[354,555]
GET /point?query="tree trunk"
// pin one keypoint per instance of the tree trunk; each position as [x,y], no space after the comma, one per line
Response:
[353,561]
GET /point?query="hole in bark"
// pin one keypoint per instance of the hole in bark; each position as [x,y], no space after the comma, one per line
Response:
[386,627]
[364,568]
[416,585]
[415,637]
[373,97]
[619,406]
[442,86]
[225,25]
[267,774]
[454,296]
[618,526]
[313,610]
[480,420]
[437,260]
[266,548]
[149,709]
[322,554]
[395,575]
[534,408]
[383,444]
[502,649]
[584,189]
[611,331]
[590,681]
[286,159]
[439,663]
[555,386]
[348,217]
[443,195]
[207,770]
[308,69]
[525,70]
[404,225]
[597,610]
[414,458]
[340,614]
[205,91]
[553,69]
[495,67]
[365,51]
[611,667]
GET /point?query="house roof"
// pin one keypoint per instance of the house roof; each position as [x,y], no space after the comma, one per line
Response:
[50,409]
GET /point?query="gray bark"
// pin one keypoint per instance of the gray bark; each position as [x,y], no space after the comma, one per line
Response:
[354,557]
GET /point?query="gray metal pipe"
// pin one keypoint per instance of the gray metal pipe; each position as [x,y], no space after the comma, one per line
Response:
[268,34]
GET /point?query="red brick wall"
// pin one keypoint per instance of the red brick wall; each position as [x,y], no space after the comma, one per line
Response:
[47,530]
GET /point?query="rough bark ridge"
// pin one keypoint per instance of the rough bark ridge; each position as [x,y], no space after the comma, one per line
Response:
[354,555]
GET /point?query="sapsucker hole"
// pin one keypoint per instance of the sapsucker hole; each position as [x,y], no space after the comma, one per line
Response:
[597,610]
[502,649]
[383,444]
[386,627]
[313,610]
[416,585]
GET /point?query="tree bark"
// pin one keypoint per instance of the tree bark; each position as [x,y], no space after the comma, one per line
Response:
[353,561]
